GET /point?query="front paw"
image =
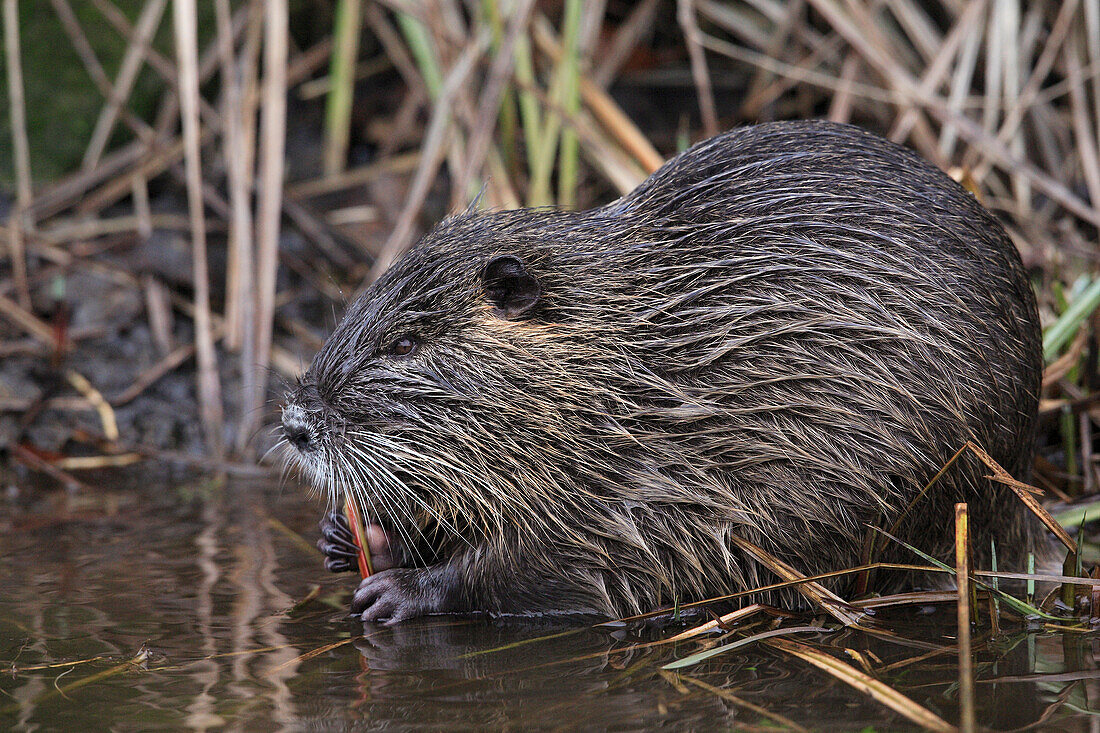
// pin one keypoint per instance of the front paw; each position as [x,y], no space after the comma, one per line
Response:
[396,595]
[337,544]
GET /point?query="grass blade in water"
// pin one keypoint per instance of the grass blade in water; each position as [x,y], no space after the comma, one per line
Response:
[704,655]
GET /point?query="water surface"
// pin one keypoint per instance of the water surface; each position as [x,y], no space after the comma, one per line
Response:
[182,603]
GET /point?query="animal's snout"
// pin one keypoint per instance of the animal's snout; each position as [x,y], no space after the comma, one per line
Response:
[297,430]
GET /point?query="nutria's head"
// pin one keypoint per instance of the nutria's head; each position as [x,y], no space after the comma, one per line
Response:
[455,392]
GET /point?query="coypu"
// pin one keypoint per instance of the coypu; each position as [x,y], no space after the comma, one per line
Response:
[781,335]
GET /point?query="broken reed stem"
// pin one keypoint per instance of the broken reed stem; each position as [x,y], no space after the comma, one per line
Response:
[272,142]
[209,386]
[21,151]
[341,87]
[967,719]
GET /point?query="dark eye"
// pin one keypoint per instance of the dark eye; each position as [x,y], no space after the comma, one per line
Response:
[403,346]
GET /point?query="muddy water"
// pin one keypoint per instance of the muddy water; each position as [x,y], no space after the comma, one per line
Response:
[182,604]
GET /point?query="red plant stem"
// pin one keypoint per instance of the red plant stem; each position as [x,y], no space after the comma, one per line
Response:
[356,524]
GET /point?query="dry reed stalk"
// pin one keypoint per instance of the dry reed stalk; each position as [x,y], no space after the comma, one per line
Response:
[238,276]
[1092,48]
[208,64]
[168,112]
[816,58]
[394,48]
[159,312]
[365,69]
[1084,129]
[316,230]
[250,96]
[69,230]
[840,109]
[740,21]
[31,460]
[158,62]
[961,83]
[617,166]
[167,364]
[92,463]
[1000,154]
[1023,99]
[864,683]
[18,256]
[246,148]
[816,593]
[488,107]
[686,16]
[146,160]
[95,398]
[209,386]
[627,37]
[139,192]
[431,156]
[27,321]
[721,622]
[602,105]
[398,164]
[347,24]
[88,58]
[965,591]
[859,30]
[272,142]
[1088,467]
[21,150]
[795,73]
[431,38]
[1025,493]
[156,159]
[62,194]
[779,38]
[132,60]
[569,89]
[503,191]
[934,74]
[904,86]
[491,93]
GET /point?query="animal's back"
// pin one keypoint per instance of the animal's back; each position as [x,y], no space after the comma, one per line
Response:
[844,318]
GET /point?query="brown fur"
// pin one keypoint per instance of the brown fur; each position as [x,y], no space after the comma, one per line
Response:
[781,335]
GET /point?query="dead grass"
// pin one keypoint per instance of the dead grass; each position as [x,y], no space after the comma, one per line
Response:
[1003,95]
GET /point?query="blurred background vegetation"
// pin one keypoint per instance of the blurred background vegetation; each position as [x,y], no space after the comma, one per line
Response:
[190,191]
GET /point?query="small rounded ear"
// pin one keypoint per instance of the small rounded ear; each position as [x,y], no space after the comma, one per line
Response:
[509,286]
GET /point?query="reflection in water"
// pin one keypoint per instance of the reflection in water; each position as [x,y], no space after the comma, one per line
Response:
[204,579]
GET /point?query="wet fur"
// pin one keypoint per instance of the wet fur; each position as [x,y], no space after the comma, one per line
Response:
[781,335]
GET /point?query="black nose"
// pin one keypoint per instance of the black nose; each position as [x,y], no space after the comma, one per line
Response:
[297,431]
